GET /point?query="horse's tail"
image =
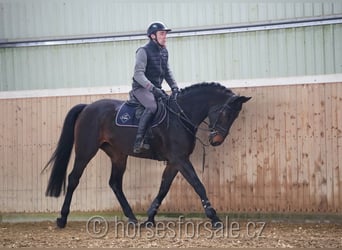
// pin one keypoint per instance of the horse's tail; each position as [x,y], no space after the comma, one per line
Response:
[61,156]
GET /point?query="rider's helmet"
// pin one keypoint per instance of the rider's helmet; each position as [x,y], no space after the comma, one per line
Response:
[156,26]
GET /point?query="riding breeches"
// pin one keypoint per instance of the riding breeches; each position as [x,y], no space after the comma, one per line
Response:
[146,98]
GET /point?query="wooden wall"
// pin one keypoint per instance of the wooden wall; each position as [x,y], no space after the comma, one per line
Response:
[283,154]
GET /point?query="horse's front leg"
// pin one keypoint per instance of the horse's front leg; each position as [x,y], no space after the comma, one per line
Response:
[168,176]
[190,175]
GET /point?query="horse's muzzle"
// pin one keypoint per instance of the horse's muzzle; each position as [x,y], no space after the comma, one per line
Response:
[215,138]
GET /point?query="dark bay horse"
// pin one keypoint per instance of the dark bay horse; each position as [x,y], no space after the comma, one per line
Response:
[91,127]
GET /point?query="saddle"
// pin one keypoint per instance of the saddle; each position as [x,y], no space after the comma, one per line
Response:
[130,112]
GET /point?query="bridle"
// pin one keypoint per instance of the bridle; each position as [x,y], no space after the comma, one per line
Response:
[214,128]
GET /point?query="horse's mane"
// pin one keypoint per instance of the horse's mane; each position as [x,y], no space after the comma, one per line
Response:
[206,85]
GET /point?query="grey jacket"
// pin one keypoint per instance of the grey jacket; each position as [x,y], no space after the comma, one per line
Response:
[152,67]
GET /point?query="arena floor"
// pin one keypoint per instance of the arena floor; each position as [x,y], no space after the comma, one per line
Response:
[176,232]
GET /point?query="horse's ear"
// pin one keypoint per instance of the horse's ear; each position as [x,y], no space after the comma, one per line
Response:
[239,99]
[244,99]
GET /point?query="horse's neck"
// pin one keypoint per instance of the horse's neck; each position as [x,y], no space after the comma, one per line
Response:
[195,109]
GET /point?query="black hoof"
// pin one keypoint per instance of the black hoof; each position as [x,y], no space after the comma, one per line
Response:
[132,222]
[148,224]
[217,224]
[61,222]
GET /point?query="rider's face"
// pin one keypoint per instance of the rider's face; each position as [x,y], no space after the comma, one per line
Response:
[161,37]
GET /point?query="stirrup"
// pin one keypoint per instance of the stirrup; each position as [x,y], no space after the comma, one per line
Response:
[140,146]
[146,146]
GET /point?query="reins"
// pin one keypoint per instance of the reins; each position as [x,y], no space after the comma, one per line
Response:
[182,117]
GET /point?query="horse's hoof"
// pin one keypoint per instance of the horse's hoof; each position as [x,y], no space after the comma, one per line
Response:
[132,222]
[61,222]
[217,224]
[148,224]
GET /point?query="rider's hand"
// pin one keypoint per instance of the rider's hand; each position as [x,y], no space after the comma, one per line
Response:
[157,92]
[175,90]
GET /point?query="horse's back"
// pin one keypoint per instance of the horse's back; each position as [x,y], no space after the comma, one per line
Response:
[106,103]
[102,106]
[99,111]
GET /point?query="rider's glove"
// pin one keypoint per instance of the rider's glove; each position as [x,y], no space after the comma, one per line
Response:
[175,90]
[157,92]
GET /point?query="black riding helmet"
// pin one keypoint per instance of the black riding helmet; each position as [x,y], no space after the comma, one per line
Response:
[156,26]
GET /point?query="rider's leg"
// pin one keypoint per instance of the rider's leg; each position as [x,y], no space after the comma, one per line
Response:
[143,124]
[146,98]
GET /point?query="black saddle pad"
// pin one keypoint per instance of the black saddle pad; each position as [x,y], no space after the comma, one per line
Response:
[129,115]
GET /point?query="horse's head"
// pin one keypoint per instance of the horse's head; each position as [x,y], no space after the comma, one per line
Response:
[221,118]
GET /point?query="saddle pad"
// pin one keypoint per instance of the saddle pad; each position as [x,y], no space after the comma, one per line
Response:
[126,116]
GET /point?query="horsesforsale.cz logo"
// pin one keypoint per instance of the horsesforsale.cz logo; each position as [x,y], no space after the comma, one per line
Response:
[125,117]
[98,227]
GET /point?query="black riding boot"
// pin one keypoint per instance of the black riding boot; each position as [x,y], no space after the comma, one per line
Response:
[143,123]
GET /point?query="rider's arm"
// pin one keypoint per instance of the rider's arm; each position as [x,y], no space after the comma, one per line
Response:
[139,69]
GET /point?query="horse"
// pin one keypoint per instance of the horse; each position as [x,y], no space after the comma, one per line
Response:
[90,127]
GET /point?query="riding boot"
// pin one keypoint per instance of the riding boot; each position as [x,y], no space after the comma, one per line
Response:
[139,145]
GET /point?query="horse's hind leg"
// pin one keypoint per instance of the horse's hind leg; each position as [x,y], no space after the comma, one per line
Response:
[168,176]
[73,180]
[115,182]
[85,149]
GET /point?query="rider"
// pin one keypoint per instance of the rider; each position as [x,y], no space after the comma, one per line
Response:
[151,68]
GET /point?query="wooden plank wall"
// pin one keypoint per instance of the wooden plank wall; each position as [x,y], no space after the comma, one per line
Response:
[283,154]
